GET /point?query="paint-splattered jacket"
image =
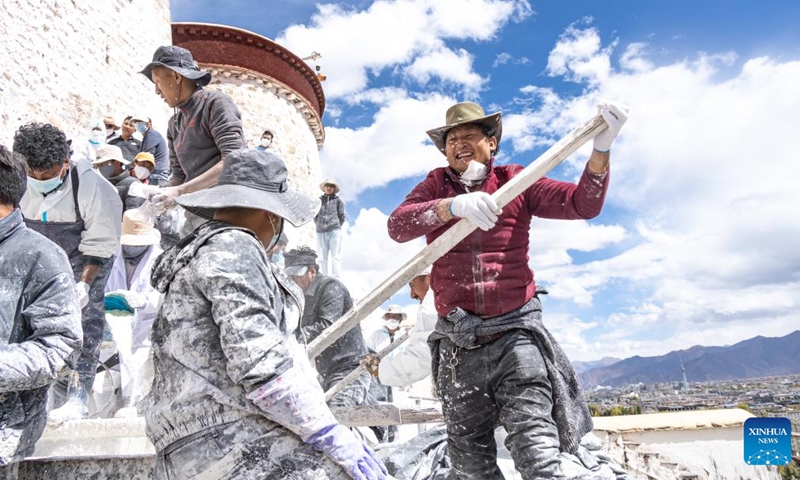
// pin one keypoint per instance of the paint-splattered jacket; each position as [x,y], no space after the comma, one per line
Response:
[487,273]
[225,327]
[40,327]
[326,301]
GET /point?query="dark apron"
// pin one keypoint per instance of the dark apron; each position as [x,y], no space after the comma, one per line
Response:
[67,235]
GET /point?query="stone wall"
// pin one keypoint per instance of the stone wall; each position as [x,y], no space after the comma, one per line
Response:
[264,106]
[67,62]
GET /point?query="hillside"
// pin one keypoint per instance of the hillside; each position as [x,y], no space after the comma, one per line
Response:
[755,357]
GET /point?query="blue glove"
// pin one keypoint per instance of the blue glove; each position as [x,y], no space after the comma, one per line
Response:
[114,301]
[341,446]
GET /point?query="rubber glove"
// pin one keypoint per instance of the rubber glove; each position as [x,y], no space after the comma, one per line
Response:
[298,403]
[116,302]
[165,199]
[134,299]
[82,289]
[358,460]
[615,116]
[479,207]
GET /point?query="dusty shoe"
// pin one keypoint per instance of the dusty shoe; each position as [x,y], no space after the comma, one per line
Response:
[74,409]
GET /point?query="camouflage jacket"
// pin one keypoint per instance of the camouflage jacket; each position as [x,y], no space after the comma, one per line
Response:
[40,329]
[225,327]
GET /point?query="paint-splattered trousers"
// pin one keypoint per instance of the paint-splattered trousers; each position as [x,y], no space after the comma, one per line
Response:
[243,450]
[93,321]
[502,382]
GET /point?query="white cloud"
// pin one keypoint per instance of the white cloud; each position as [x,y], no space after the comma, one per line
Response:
[501,59]
[578,57]
[393,147]
[352,53]
[550,240]
[450,66]
[697,242]
[703,175]
[504,58]
[369,256]
[633,58]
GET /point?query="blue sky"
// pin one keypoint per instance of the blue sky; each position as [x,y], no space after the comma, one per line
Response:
[697,241]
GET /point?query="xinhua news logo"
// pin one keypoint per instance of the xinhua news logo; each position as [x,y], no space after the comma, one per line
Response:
[767,441]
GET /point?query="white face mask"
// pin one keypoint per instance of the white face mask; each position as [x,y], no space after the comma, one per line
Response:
[109,131]
[141,172]
[475,173]
[266,142]
[392,324]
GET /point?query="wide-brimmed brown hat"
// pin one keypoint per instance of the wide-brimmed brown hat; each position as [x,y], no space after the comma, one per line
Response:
[255,179]
[138,230]
[329,181]
[462,114]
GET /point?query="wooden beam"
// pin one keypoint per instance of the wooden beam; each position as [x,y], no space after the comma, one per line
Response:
[385,414]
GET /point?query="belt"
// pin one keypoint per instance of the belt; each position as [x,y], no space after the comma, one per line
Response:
[484,339]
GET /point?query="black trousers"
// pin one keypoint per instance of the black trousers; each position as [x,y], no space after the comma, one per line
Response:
[503,382]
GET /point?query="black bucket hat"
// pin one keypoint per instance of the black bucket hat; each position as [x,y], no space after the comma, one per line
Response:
[179,60]
[255,179]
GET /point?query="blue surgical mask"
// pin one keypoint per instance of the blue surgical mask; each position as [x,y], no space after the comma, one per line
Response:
[45,186]
[277,258]
[141,127]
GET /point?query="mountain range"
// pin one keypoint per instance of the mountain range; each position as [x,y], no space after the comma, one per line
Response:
[755,357]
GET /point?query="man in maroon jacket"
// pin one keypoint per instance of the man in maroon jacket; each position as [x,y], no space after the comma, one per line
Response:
[493,360]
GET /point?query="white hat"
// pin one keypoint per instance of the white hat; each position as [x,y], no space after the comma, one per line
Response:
[330,181]
[395,310]
[110,152]
[139,117]
[138,231]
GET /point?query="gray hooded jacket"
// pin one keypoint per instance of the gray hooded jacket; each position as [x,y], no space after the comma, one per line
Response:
[225,327]
[40,329]
[331,213]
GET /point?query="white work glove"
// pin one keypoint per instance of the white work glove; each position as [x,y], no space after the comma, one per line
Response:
[479,207]
[615,116]
[82,289]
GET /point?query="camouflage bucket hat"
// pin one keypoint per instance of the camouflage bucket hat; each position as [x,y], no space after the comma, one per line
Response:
[255,179]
